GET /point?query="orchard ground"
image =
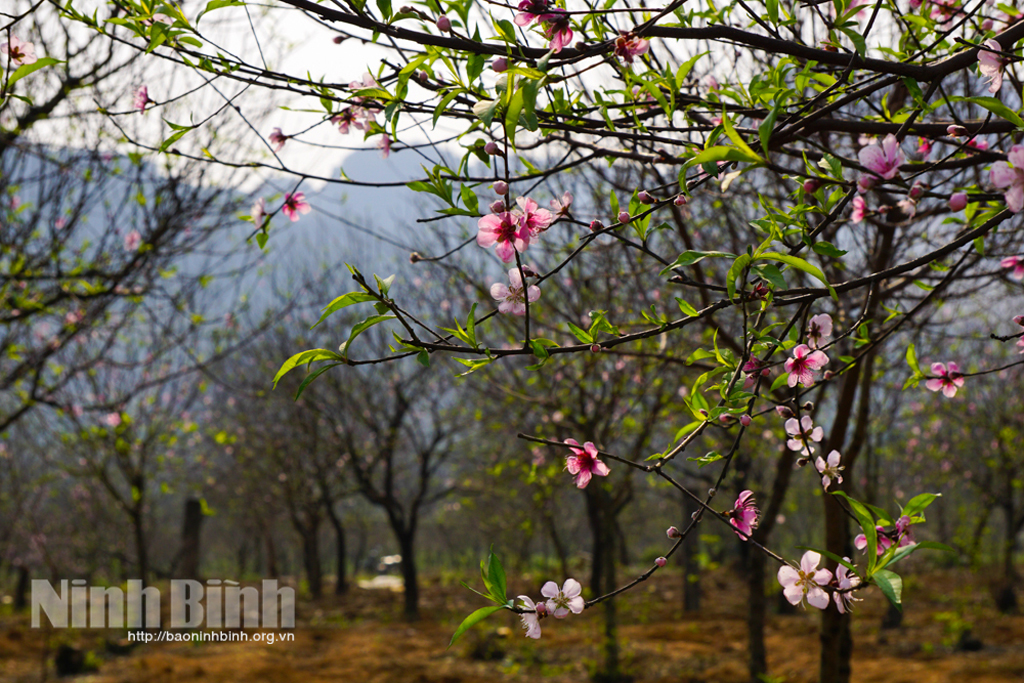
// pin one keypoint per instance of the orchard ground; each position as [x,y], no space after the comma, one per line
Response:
[359,638]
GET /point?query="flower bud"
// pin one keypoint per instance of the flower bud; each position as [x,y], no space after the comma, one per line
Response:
[596,225]
[958,202]
[415,257]
[1019,319]
[528,271]
[955,131]
[745,420]
[492,148]
[624,217]
[827,375]
[423,76]
[501,187]
[673,533]
[541,608]
[916,191]
[444,24]
[711,492]
[595,348]
[645,197]
[987,25]
[499,65]
[680,200]
[661,562]
[497,206]
[338,39]
[865,183]
[766,372]
[809,406]
[784,411]
[811,185]
[725,418]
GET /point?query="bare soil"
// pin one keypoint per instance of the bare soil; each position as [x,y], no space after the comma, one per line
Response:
[360,638]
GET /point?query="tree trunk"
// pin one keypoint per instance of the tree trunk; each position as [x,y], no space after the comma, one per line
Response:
[271,555]
[602,529]
[141,552]
[190,539]
[311,560]
[21,592]
[411,609]
[757,612]
[836,639]
[341,583]
[556,540]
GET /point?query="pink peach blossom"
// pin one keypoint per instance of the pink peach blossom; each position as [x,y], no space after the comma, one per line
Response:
[557,28]
[830,469]
[19,52]
[802,433]
[628,47]
[583,463]
[507,231]
[1015,264]
[845,581]
[802,366]
[819,330]
[804,585]
[744,515]
[561,602]
[277,139]
[947,381]
[991,64]
[294,204]
[1002,175]
[141,99]
[531,620]
[511,296]
[535,219]
[884,161]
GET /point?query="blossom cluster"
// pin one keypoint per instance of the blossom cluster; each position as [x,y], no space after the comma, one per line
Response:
[559,603]
[805,585]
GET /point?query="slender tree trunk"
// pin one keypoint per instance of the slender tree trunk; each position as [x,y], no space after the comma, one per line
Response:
[757,612]
[141,551]
[311,560]
[341,584]
[411,609]
[556,540]
[21,591]
[190,539]
[271,555]
[602,528]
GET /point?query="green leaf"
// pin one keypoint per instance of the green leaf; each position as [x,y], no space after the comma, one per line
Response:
[496,577]
[707,458]
[687,309]
[688,258]
[867,524]
[312,376]
[423,358]
[891,585]
[735,271]
[998,108]
[901,553]
[362,327]
[828,249]
[302,357]
[800,264]
[26,69]
[721,153]
[581,334]
[918,503]
[344,301]
[764,131]
[473,619]
[912,360]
